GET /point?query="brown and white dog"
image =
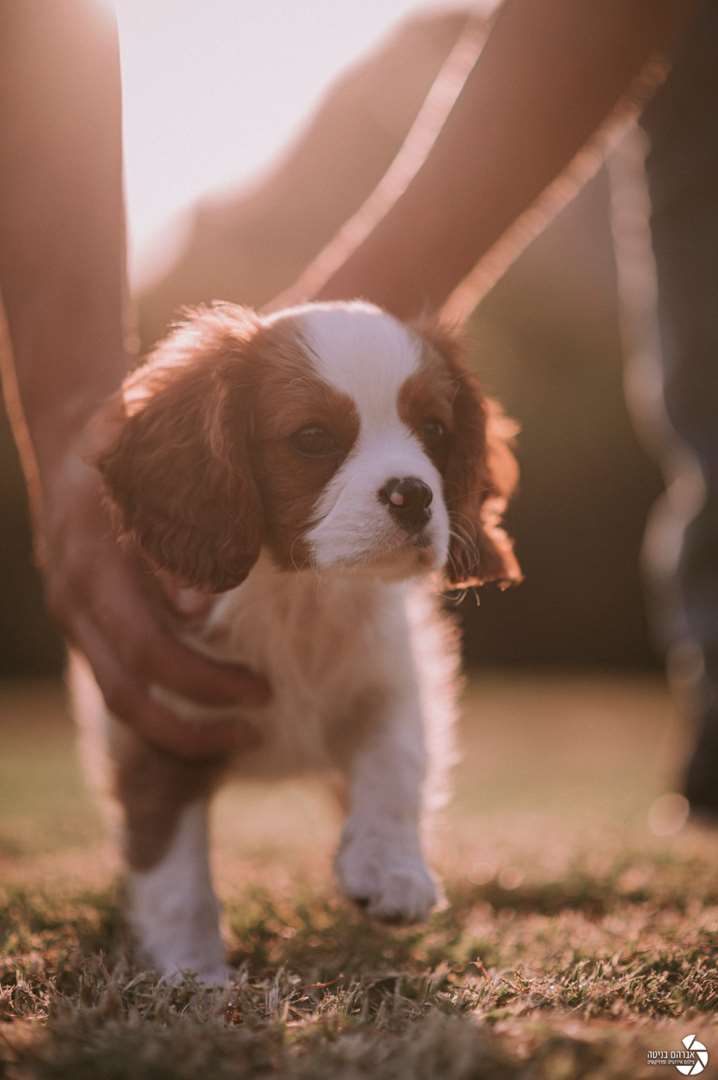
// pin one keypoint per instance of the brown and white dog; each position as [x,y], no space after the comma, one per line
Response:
[327,470]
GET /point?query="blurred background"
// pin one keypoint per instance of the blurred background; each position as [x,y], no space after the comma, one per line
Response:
[577,884]
[250,136]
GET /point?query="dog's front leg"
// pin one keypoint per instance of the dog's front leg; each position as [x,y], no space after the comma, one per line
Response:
[380,862]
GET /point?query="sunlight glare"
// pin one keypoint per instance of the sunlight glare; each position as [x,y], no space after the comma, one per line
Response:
[212,91]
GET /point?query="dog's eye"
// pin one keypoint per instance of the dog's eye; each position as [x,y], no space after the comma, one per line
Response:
[314,441]
[434,431]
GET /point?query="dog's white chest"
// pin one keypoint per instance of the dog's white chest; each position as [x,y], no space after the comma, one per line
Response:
[318,642]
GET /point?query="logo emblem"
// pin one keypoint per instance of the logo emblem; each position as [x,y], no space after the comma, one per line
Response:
[692,1044]
[690,1061]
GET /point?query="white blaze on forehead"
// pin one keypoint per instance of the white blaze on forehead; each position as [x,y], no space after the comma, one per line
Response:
[368,355]
[364,353]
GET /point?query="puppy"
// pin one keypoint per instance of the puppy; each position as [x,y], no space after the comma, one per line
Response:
[325,470]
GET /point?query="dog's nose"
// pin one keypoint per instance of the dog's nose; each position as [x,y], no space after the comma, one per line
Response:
[408,500]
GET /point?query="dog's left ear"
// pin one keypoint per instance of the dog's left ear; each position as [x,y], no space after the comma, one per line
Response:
[480,475]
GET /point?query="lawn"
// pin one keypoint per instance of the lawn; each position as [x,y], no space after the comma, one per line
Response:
[580,932]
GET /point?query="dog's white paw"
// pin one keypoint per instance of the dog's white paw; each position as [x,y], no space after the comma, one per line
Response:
[179,942]
[205,965]
[219,976]
[381,876]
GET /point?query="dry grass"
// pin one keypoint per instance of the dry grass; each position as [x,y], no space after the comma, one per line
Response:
[575,938]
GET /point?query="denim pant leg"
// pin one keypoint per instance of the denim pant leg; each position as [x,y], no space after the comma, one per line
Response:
[681,123]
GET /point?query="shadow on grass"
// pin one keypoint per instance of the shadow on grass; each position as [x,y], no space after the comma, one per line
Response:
[327,938]
[321,991]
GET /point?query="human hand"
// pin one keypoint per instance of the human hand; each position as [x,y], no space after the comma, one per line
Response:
[112,609]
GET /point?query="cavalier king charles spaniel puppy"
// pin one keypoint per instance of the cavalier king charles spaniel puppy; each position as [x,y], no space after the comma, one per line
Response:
[325,471]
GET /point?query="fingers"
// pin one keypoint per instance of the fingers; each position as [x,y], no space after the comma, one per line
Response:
[112,609]
[164,660]
[188,603]
[132,614]
[130,701]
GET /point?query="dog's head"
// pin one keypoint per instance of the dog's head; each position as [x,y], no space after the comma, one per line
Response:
[331,435]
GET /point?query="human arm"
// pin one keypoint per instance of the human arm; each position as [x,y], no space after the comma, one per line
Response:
[549,75]
[62,282]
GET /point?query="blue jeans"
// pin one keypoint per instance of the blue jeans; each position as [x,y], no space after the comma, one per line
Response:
[681,166]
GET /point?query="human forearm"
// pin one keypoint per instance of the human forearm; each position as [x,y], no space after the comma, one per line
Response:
[548,77]
[62,237]
[62,279]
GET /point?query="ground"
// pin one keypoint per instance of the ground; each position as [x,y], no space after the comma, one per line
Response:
[580,932]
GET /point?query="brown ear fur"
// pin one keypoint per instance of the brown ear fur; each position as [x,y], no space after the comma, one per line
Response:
[179,471]
[479,478]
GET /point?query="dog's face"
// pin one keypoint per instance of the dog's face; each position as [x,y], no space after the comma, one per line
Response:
[331,435]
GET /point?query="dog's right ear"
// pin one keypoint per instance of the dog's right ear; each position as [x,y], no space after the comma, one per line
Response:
[178,470]
[480,474]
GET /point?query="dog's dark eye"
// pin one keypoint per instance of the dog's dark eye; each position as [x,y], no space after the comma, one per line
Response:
[434,432]
[314,441]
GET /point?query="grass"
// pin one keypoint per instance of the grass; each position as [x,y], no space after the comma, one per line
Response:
[581,929]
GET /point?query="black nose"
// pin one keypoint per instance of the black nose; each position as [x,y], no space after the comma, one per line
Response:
[408,500]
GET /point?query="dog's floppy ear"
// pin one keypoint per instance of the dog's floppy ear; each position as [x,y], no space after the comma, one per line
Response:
[480,482]
[480,475]
[179,470]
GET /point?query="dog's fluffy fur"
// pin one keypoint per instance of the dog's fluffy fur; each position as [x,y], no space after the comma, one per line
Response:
[326,470]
